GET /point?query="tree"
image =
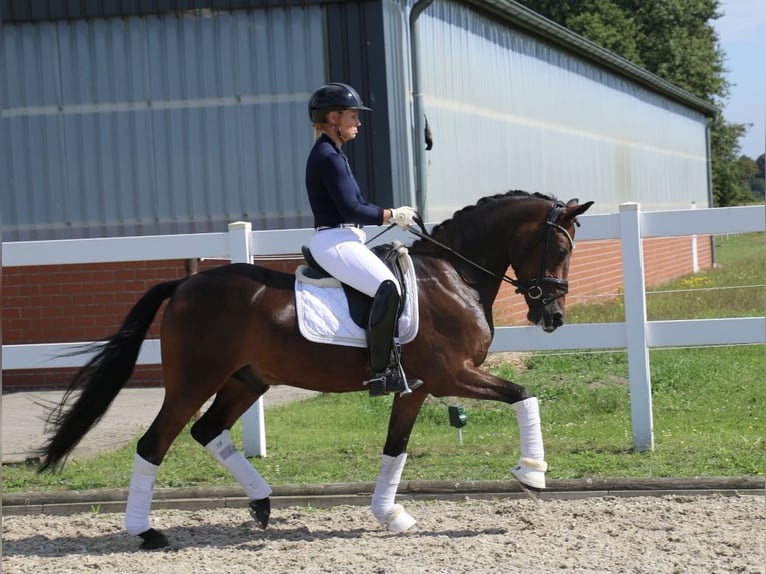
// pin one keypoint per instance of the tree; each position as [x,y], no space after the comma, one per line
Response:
[758,177]
[604,22]
[675,40]
[730,182]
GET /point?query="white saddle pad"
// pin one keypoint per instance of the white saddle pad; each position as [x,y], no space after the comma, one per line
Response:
[323,315]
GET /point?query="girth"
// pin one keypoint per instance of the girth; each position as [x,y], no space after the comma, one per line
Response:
[359,303]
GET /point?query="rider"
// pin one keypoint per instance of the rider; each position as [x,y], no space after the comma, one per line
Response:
[339,242]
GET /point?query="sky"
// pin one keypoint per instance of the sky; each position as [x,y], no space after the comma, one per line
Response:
[742,35]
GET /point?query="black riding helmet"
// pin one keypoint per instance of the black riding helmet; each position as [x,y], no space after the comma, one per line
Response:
[334,96]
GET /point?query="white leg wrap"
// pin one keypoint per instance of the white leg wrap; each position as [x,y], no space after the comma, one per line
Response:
[531,467]
[528,417]
[223,450]
[140,496]
[391,515]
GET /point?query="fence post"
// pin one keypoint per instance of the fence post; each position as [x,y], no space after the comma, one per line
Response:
[695,255]
[253,425]
[635,327]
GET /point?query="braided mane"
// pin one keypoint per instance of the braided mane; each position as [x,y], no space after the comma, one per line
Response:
[512,194]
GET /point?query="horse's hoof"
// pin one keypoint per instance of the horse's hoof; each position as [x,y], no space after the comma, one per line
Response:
[153,539]
[530,472]
[531,476]
[261,511]
[399,520]
[531,492]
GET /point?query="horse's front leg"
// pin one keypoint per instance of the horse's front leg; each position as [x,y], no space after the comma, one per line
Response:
[474,383]
[391,515]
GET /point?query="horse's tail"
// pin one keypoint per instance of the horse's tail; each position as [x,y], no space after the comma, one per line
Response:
[102,378]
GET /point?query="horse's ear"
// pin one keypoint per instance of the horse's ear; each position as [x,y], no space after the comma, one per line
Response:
[575,208]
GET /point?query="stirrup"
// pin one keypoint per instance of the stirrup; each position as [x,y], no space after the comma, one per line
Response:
[392,380]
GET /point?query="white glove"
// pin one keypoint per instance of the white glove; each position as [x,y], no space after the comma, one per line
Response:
[403,216]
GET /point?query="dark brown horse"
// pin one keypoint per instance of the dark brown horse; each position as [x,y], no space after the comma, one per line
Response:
[232,332]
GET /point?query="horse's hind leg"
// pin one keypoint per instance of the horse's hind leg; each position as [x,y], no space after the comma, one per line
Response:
[212,432]
[150,452]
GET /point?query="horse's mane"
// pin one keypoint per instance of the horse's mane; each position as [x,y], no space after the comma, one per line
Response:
[466,211]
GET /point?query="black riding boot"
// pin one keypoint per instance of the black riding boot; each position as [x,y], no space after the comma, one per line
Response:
[385,364]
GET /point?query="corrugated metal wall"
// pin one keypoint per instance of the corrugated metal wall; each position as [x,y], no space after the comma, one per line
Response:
[139,125]
[508,110]
[357,55]
[398,85]
[185,121]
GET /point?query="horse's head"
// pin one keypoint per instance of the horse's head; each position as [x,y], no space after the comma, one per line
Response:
[538,234]
[543,266]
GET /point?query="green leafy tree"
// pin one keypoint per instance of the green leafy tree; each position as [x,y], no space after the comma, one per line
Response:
[730,182]
[678,43]
[604,22]
[675,40]
[748,167]
[758,179]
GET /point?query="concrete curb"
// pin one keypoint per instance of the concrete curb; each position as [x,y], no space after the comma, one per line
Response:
[327,495]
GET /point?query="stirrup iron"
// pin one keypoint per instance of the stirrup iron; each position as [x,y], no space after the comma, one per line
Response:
[392,380]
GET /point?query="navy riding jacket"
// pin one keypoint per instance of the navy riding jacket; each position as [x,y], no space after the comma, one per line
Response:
[333,191]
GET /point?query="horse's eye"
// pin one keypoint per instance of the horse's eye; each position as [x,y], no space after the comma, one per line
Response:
[562,253]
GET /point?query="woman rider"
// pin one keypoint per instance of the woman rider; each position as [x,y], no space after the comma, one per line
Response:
[340,211]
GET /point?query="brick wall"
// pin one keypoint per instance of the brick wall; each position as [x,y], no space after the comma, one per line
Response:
[55,304]
[83,302]
[595,272]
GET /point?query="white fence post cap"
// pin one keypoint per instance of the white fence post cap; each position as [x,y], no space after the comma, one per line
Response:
[630,206]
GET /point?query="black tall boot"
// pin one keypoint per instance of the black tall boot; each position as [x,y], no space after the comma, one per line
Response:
[385,365]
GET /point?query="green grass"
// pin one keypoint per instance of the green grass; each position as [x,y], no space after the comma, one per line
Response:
[708,418]
[735,288]
[708,403]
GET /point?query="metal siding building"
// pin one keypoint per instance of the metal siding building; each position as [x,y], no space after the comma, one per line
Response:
[170,123]
[509,109]
[135,117]
[176,116]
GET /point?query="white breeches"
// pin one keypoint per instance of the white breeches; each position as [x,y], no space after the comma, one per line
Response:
[342,253]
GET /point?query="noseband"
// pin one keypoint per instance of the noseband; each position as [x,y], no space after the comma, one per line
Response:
[534,289]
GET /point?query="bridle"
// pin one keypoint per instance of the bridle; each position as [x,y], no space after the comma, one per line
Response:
[534,288]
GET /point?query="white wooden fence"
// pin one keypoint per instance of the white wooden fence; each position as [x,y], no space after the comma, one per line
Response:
[635,334]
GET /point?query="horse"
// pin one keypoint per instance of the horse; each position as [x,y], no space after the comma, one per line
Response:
[231,332]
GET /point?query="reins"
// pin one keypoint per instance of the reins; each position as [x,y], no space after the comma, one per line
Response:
[424,235]
[534,290]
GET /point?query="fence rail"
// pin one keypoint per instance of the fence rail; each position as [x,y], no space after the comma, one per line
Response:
[636,334]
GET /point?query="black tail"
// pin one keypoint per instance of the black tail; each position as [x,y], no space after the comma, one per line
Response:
[102,378]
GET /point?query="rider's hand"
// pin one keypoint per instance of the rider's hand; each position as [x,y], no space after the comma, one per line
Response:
[403,216]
